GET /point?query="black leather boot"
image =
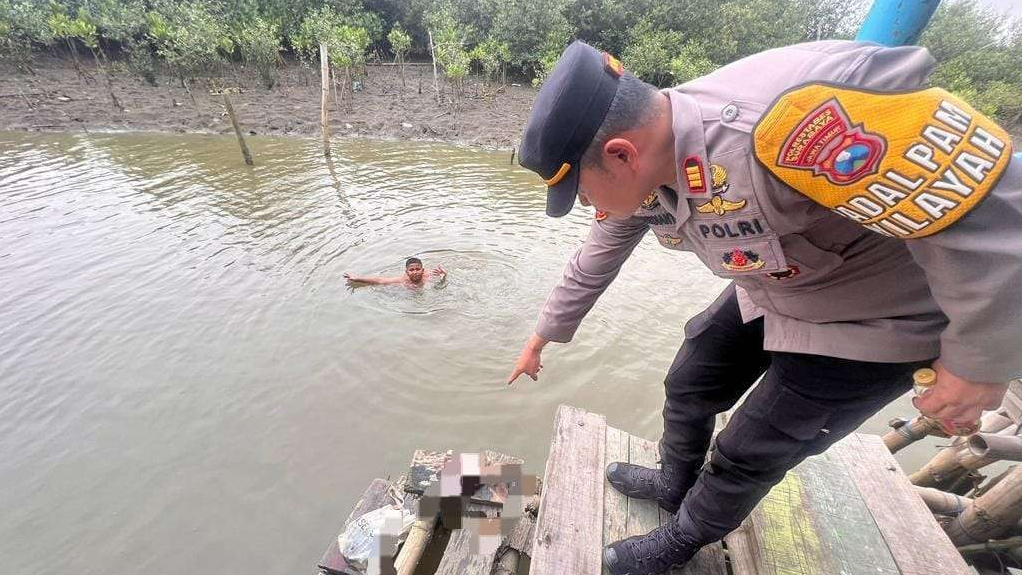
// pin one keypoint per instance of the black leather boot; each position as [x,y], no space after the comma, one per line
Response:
[650,554]
[665,485]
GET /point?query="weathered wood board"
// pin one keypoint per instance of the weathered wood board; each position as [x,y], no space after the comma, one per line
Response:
[850,511]
[569,529]
[899,512]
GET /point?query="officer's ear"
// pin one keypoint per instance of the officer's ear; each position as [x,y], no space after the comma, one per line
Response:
[620,153]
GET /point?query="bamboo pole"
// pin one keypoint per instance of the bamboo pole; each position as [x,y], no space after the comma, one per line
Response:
[945,467]
[432,54]
[237,130]
[996,446]
[941,502]
[992,514]
[905,433]
[411,552]
[1008,543]
[324,117]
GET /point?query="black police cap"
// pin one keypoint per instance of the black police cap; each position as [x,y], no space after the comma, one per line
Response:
[565,117]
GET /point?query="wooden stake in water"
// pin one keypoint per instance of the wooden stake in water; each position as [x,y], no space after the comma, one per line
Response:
[237,130]
[324,118]
[432,54]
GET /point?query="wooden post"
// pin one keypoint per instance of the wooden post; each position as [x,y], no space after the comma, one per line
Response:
[432,54]
[992,514]
[324,118]
[237,130]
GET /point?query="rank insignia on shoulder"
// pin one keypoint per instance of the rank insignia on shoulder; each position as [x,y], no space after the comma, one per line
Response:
[791,272]
[692,166]
[600,216]
[650,201]
[903,164]
[738,260]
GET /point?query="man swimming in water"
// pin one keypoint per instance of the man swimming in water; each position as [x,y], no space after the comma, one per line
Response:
[415,276]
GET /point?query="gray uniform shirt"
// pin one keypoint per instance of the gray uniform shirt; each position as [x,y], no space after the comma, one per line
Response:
[823,283]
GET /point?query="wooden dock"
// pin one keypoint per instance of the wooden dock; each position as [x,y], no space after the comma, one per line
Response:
[850,511]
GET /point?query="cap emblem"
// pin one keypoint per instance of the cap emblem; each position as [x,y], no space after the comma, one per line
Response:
[613,65]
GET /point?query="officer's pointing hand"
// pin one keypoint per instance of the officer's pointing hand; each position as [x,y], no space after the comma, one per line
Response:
[528,361]
[957,399]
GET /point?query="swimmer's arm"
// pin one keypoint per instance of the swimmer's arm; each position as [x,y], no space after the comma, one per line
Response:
[366,280]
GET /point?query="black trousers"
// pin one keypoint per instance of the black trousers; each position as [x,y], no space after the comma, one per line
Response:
[803,404]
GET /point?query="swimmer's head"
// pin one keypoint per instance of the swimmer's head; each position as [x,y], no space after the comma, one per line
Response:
[413,269]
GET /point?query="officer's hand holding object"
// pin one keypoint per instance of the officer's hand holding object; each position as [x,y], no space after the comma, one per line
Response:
[956,399]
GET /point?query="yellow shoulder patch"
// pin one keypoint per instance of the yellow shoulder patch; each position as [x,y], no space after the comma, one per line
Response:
[902,164]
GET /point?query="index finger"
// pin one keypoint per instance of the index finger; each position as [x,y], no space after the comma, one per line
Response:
[514,375]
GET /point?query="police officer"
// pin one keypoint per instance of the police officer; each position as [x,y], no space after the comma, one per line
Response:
[870,228]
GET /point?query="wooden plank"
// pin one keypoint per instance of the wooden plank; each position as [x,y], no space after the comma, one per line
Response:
[569,530]
[376,496]
[643,514]
[615,504]
[815,523]
[740,550]
[899,513]
[458,558]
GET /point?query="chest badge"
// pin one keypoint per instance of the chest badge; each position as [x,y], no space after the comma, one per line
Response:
[600,216]
[738,260]
[717,204]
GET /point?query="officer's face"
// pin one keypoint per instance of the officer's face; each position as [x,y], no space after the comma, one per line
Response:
[612,188]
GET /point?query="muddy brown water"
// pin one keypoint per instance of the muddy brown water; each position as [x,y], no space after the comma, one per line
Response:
[186,385]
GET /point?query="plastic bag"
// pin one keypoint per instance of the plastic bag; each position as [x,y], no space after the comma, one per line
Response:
[360,541]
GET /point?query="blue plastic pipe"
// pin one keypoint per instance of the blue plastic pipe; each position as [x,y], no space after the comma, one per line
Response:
[896,22]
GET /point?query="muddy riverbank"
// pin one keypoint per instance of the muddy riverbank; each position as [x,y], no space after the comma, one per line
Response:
[58,99]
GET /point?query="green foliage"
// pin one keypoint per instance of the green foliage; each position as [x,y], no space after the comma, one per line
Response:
[979,58]
[449,44]
[189,37]
[22,25]
[69,29]
[259,44]
[400,41]
[346,43]
[491,55]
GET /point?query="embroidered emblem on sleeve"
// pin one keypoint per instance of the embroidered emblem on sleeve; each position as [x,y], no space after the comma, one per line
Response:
[904,165]
[738,260]
[717,204]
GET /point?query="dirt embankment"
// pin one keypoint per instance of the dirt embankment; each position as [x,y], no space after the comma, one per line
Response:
[57,99]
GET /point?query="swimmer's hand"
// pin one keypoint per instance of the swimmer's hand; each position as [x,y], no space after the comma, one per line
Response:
[528,361]
[440,272]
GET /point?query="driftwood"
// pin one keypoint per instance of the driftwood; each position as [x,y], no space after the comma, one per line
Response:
[518,543]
